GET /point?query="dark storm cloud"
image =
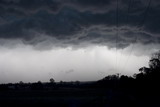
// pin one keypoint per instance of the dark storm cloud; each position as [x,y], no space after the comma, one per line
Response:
[75,22]
[22,7]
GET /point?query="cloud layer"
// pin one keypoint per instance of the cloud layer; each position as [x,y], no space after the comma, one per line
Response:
[80,22]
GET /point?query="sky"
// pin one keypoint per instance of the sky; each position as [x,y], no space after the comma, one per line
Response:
[71,40]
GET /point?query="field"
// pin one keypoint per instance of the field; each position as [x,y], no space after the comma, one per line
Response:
[64,97]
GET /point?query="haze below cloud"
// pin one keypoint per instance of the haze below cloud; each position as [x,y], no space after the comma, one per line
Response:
[25,63]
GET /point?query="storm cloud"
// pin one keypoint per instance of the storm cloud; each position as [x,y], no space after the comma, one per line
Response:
[80,22]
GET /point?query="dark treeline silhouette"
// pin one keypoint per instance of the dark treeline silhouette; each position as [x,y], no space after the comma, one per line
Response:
[140,90]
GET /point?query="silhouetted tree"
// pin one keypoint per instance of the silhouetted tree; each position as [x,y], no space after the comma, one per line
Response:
[154,67]
[144,70]
[111,77]
[154,62]
[21,82]
[37,86]
[51,80]
[148,79]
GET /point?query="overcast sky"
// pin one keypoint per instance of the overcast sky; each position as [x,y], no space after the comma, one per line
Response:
[72,40]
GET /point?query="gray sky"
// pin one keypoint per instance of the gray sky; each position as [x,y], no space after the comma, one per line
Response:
[76,39]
